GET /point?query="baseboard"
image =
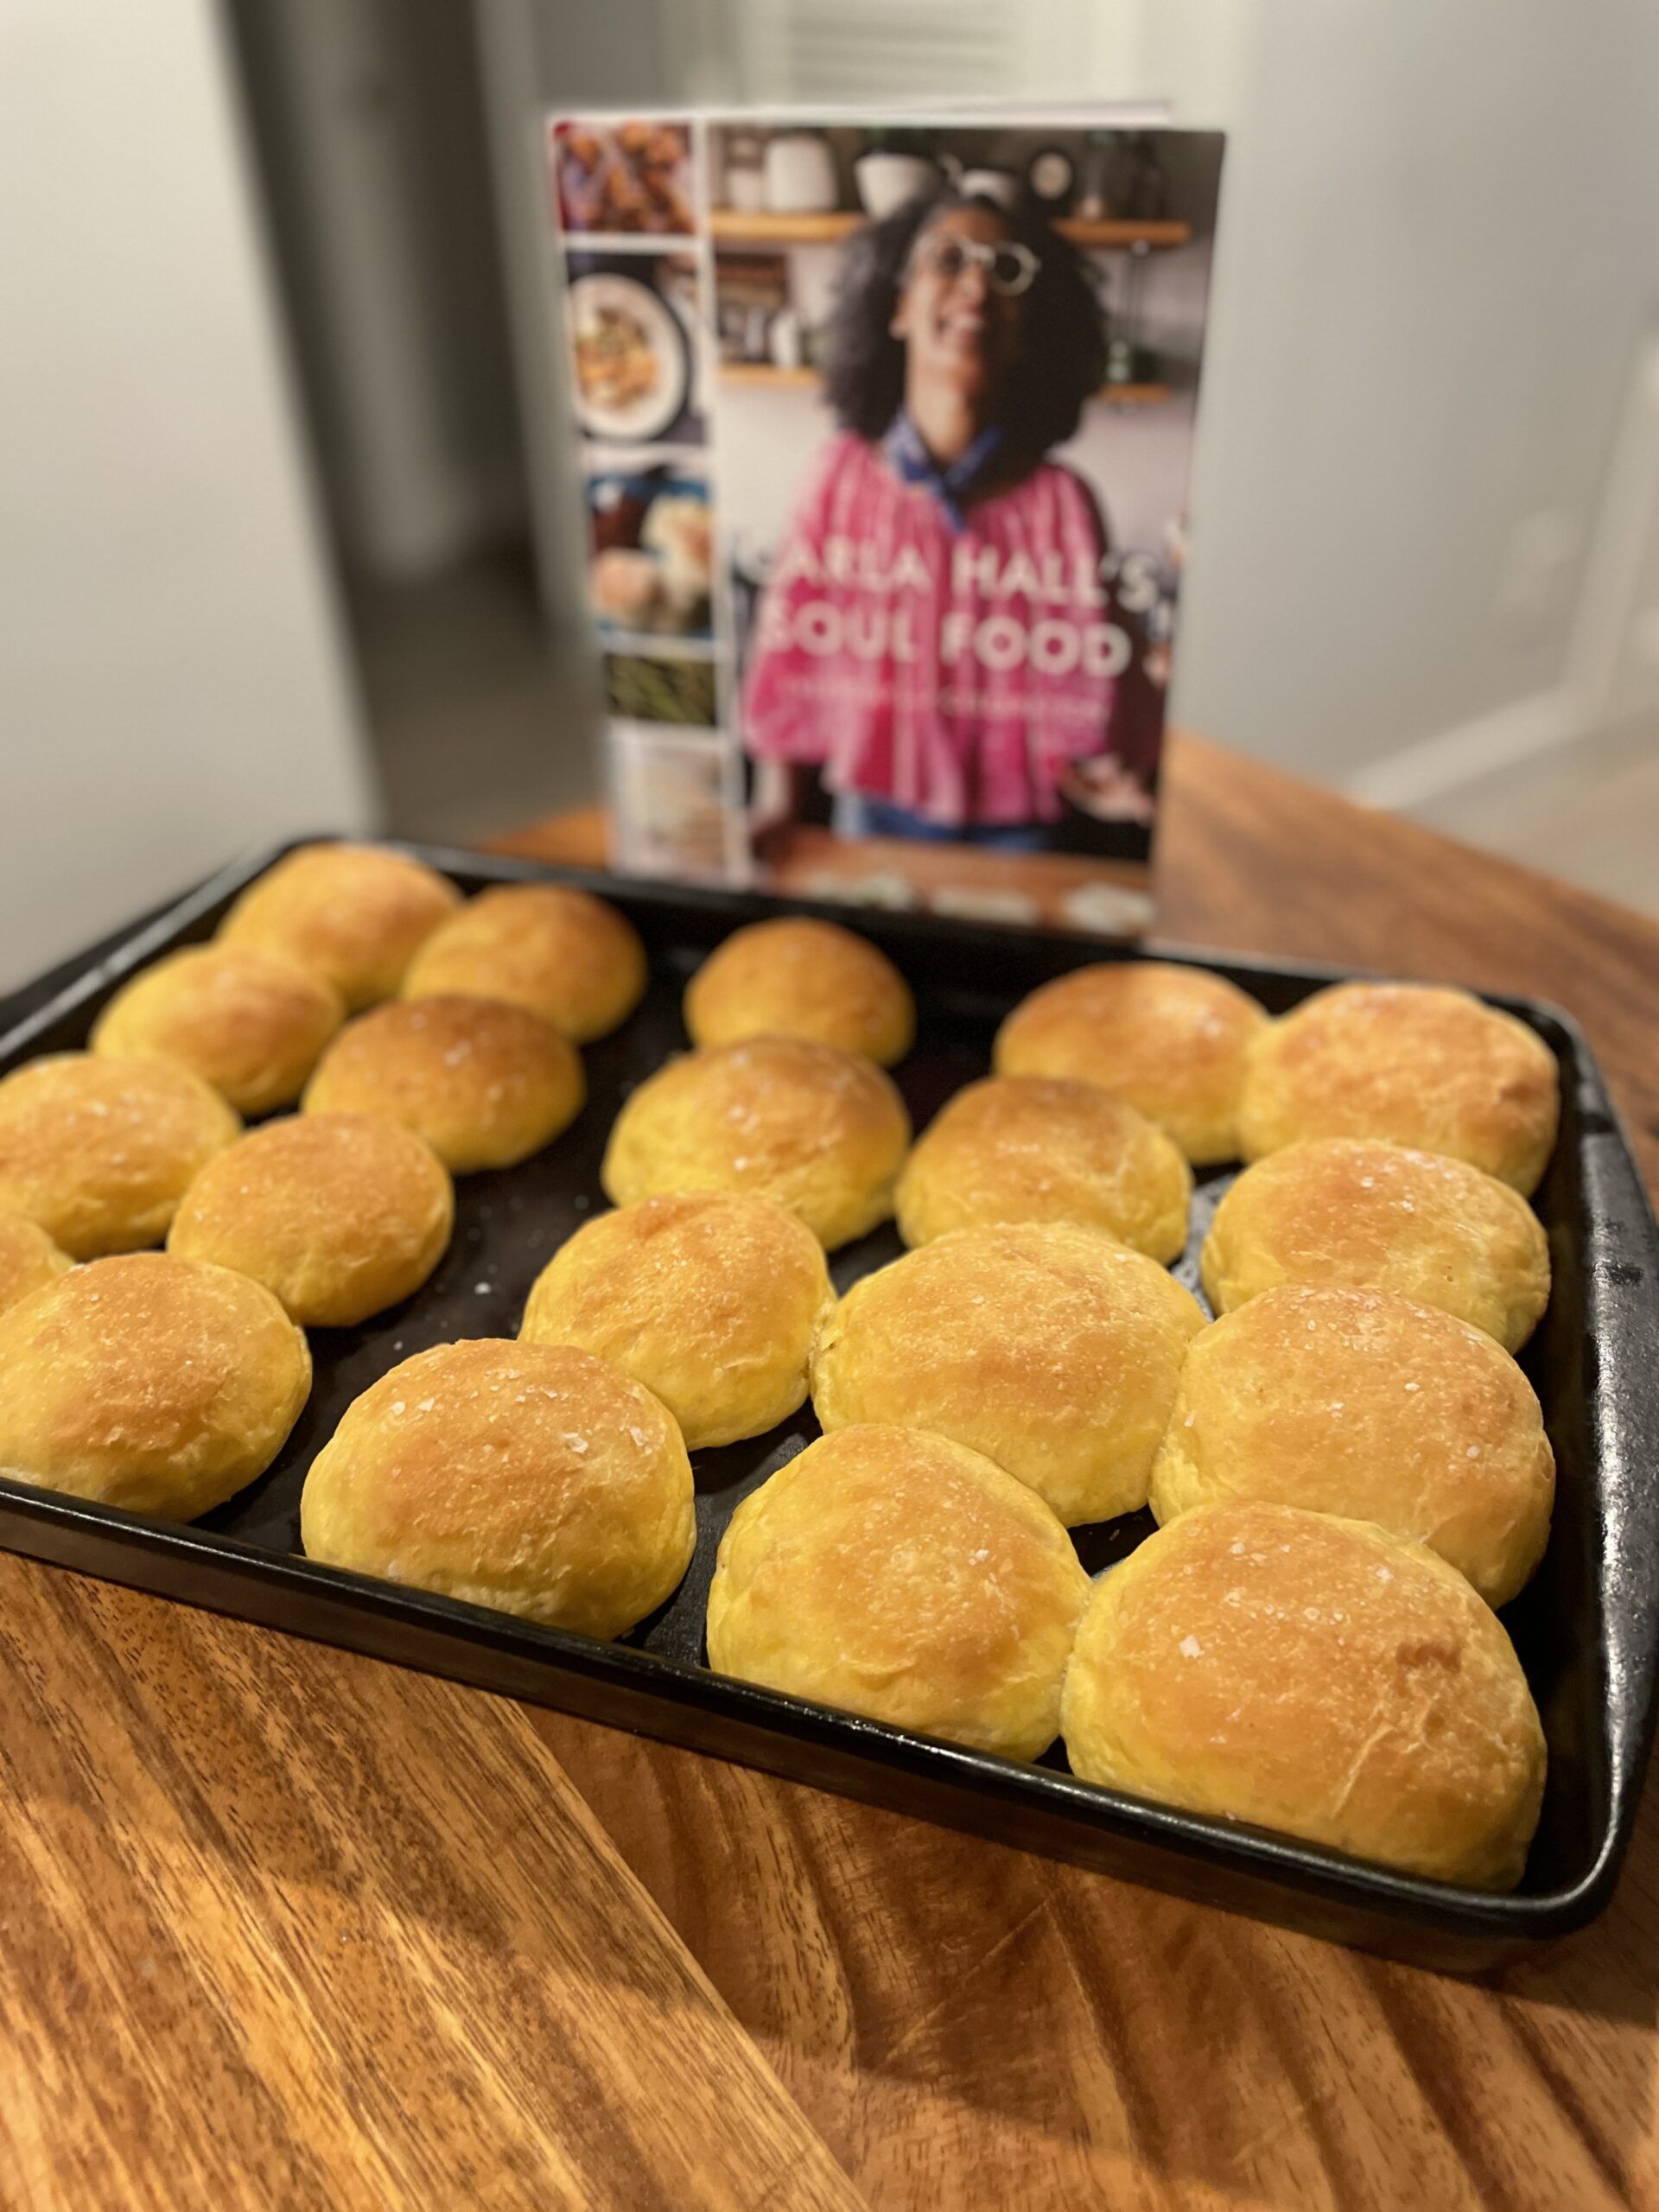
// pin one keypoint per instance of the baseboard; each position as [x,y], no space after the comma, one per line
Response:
[1464,754]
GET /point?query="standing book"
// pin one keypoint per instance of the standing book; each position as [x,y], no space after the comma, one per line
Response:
[884,435]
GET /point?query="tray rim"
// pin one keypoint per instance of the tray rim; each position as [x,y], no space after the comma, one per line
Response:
[436,1634]
[87,972]
[1541,1916]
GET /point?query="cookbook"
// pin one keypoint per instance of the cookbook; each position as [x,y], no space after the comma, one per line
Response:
[884,436]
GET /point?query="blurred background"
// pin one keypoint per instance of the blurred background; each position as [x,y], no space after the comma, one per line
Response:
[289,533]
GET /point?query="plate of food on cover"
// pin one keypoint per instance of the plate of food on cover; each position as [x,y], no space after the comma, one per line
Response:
[632,368]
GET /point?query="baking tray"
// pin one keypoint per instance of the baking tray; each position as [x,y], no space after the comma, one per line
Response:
[1586,1628]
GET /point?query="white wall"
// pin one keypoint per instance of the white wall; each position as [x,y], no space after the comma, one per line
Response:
[172,686]
[1435,266]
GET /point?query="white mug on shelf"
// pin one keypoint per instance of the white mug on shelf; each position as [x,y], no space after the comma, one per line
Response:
[800,174]
[887,180]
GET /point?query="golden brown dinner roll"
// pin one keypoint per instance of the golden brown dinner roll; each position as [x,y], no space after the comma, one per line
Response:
[797,977]
[1173,1041]
[338,1215]
[1049,1347]
[152,1384]
[29,1258]
[711,1299]
[1378,1216]
[1316,1675]
[823,1132]
[572,958]
[899,1575]
[1414,1064]
[1026,1148]
[250,1022]
[484,1082]
[1361,1403]
[100,1152]
[532,1477]
[356,914]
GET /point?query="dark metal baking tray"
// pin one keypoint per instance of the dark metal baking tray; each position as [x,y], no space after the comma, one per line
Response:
[1587,1629]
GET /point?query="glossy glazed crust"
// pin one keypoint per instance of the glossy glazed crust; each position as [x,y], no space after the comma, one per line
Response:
[354,914]
[99,1151]
[1316,1675]
[1173,1041]
[486,1084]
[1413,1063]
[533,1478]
[28,1259]
[1050,1348]
[1381,1217]
[339,1215]
[896,1574]
[1033,1149]
[250,1022]
[149,1382]
[823,1132]
[712,1300]
[1374,1407]
[561,953]
[798,977]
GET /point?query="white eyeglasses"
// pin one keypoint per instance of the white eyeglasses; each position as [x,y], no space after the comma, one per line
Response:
[1009,268]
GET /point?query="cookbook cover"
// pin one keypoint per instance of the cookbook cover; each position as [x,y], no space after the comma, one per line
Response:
[885,432]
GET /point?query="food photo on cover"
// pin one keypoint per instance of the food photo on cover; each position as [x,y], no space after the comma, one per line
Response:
[650,533]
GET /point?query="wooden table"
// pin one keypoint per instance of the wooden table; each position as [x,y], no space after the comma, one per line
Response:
[283,1927]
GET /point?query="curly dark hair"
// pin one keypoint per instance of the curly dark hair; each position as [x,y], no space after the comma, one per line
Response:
[1061,359]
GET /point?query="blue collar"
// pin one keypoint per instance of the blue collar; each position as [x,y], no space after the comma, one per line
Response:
[954,486]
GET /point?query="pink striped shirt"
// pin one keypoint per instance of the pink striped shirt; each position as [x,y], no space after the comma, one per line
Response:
[954,672]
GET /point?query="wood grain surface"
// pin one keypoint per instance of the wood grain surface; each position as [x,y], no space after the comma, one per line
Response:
[280,1927]
[285,1928]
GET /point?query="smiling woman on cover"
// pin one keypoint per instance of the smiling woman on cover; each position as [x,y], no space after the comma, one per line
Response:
[937,638]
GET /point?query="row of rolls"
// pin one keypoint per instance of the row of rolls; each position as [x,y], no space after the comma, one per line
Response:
[1348,1469]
